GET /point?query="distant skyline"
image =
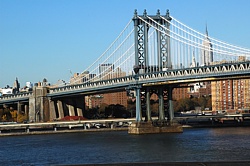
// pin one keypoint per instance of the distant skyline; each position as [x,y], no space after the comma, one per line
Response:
[53,39]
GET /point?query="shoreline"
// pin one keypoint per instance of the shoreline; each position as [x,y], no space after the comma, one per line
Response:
[77,130]
[108,125]
[62,131]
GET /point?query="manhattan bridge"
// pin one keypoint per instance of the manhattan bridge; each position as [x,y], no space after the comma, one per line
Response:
[153,54]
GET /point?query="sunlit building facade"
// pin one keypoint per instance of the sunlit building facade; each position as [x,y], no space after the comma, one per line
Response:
[108,72]
[231,94]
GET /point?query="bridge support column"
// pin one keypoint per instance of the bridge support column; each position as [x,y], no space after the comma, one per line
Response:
[138,105]
[71,110]
[80,105]
[26,109]
[32,109]
[170,103]
[79,112]
[160,126]
[60,109]
[161,104]
[52,110]
[19,107]
[148,113]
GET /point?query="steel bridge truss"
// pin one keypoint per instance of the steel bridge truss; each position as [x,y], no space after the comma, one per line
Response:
[206,73]
[141,30]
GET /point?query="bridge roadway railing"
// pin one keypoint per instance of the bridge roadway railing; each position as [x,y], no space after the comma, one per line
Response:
[15,97]
[204,73]
[103,85]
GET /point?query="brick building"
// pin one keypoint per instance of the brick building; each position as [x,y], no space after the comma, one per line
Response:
[231,94]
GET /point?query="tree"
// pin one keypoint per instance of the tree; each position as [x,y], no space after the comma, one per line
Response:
[102,109]
[181,105]
[14,115]
[120,111]
[154,109]
[209,103]
[131,107]
[5,115]
[203,102]
[185,104]
[109,110]
[22,117]
[4,118]
[91,113]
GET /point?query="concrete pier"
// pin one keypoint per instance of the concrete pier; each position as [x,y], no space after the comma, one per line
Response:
[149,128]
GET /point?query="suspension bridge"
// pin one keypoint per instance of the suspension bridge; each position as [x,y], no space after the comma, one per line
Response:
[153,52]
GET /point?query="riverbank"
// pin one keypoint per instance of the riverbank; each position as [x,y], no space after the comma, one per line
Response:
[65,127]
[62,131]
[196,121]
[106,125]
[44,131]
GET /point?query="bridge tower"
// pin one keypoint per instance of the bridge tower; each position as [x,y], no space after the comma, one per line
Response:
[141,30]
[142,64]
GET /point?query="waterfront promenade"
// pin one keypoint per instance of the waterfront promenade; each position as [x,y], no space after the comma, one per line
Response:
[117,124]
[65,126]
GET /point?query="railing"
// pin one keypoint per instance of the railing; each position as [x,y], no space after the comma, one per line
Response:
[226,70]
[213,71]
[15,97]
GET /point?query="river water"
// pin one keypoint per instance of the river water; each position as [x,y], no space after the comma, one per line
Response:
[193,145]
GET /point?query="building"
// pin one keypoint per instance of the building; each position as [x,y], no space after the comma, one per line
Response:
[16,86]
[231,94]
[193,64]
[79,78]
[95,101]
[105,69]
[200,89]
[11,90]
[116,98]
[206,51]
[6,91]
[181,92]
[108,72]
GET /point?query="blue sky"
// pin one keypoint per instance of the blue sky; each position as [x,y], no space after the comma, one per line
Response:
[45,38]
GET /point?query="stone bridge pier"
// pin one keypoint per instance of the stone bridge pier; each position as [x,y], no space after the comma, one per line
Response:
[38,105]
[68,106]
[43,108]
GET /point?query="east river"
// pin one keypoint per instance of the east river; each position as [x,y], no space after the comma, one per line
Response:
[193,145]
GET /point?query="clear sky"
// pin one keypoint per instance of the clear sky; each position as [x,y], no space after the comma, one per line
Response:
[49,38]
